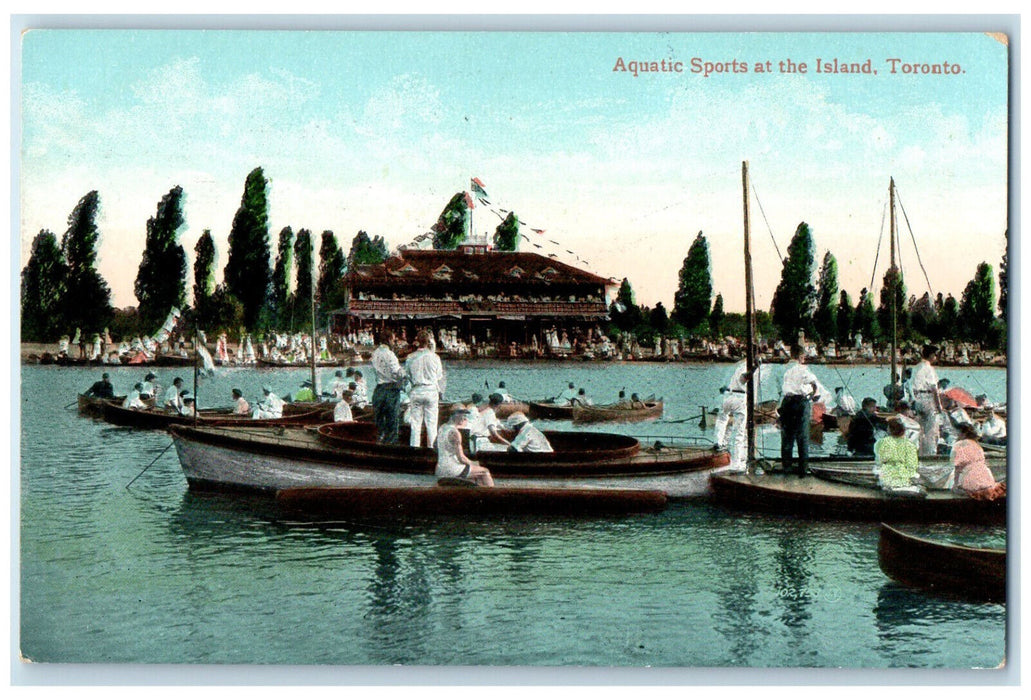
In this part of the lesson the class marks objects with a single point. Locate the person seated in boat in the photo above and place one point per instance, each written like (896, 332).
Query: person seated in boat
(484, 426)
(844, 403)
(133, 400)
(993, 429)
(505, 396)
(451, 459)
(339, 384)
(567, 396)
(151, 388)
(907, 415)
(342, 412)
(582, 399)
(240, 405)
(306, 393)
(861, 429)
(271, 406)
(173, 401)
(973, 477)
(189, 405)
(101, 389)
(636, 402)
(358, 399)
(955, 416)
(897, 462)
(528, 438)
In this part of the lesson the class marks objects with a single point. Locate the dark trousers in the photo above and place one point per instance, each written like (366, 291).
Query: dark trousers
(795, 413)
(386, 405)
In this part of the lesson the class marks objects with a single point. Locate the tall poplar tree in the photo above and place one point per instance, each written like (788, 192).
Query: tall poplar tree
(248, 272)
(977, 306)
(281, 279)
(87, 298)
(506, 236)
(625, 313)
(693, 298)
(716, 317)
(893, 283)
(843, 322)
(332, 266)
(302, 298)
(864, 321)
(1004, 281)
(922, 316)
(42, 290)
(825, 320)
(204, 279)
(795, 299)
(161, 280)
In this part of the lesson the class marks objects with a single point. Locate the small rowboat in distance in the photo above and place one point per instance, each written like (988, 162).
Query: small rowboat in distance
(818, 499)
(92, 406)
(460, 499)
(943, 568)
(618, 412)
(549, 410)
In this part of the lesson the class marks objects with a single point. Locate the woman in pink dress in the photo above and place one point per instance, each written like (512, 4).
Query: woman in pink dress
(973, 477)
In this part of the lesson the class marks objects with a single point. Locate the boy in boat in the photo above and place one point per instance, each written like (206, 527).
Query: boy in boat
(173, 397)
(528, 438)
(240, 405)
(133, 400)
(451, 459)
(102, 389)
(151, 388)
(799, 388)
(484, 426)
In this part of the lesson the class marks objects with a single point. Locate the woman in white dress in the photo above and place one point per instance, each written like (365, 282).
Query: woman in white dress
(451, 459)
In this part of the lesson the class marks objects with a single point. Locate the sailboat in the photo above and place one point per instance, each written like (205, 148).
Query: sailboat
(814, 497)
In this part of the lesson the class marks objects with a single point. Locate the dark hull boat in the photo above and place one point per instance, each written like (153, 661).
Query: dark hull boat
(548, 410)
(814, 498)
(448, 499)
(943, 568)
(347, 455)
(157, 419)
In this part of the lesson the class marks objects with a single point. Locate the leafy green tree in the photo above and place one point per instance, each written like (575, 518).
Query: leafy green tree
(658, 318)
(367, 251)
(203, 279)
(332, 266)
(42, 290)
(843, 322)
(693, 297)
(795, 298)
(864, 321)
(893, 283)
(825, 321)
(281, 278)
(506, 236)
(161, 280)
(922, 316)
(302, 298)
(87, 298)
(450, 229)
(248, 272)
(625, 313)
(977, 307)
(948, 319)
(1004, 281)
(716, 317)
(226, 311)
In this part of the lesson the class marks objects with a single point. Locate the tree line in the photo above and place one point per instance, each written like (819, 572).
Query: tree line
(61, 289)
(811, 302)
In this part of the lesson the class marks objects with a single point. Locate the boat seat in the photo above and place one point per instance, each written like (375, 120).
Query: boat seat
(457, 481)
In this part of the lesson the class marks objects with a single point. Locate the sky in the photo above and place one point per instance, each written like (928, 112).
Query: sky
(376, 131)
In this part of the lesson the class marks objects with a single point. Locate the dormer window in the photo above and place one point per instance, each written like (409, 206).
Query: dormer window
(547, 273)
(516, 272)
(408, 269)
(442, 273)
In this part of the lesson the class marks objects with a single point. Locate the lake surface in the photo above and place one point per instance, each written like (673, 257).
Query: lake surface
(157, 574)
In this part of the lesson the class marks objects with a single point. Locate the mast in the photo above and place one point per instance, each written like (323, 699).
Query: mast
(196, 358)
(894, 286)
(749, 320)
(311, 298)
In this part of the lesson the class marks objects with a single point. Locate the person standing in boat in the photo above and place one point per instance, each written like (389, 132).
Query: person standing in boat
(735, 405)
(426, 375)
(173, 400)
(240, 405)
(386, 397)
(799, 387)
(133, 400)
(928, 401)
(451, 459)
(271, 406)
(528, 438)
(102, 389)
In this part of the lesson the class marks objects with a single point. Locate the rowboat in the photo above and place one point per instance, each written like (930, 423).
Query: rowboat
(502, 410)
(455, 499)
(549, 410)
(347, 455)
(159, 419)
(618, 412)
(93, 406)
(813, 498)
(943, 568)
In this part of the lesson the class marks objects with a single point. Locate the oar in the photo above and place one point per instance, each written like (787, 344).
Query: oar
(149, 465)
(71, 404)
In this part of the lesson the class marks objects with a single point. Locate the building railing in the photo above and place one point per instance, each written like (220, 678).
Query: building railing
(500, 308)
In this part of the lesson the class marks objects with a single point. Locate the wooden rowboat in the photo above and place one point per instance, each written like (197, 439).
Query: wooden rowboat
(618, 412)
(861, 473)
(502, 411)
(814, 498)
(159, 419)
(347, 455)
(549, 410)
(943, 568)
(93, 406)
(395, 503)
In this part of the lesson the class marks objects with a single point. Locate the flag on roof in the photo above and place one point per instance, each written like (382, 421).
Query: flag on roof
(469, 201)
(478, 189)
(538, 230)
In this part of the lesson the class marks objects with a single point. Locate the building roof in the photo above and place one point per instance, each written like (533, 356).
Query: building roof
(469, 265)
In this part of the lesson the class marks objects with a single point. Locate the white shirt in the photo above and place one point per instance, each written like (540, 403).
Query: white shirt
(133, 401)
(386, 366)
(424, 370)
(342, 413)
(847, 404)
(993, 427)
(242, 407)
(566, 396)
(799, 380)
(739, 381)
(172, 399)
(925, 381)
(481, 423)
(530, 439)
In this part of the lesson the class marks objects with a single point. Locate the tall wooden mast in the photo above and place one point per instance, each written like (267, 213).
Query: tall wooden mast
(749, 319)
(893, 276)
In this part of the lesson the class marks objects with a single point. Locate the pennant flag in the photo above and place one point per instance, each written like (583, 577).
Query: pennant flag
(538, 231)
(469, 201)
(205, 356)
(478, 189)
